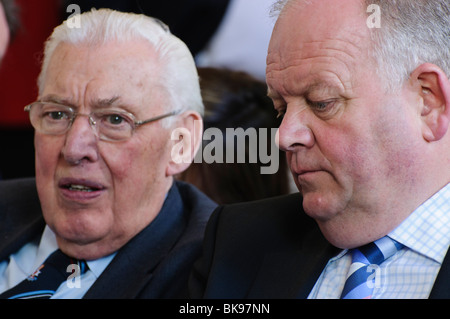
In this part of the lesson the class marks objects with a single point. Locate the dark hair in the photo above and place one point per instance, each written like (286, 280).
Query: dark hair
(234, 99)
(12, 16)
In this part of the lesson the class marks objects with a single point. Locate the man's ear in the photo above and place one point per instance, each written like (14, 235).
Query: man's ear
(186, 140)
(435, 93)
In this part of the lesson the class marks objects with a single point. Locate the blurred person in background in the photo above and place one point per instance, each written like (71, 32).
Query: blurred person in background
(9, 24)
(32, 22)
(235, 99)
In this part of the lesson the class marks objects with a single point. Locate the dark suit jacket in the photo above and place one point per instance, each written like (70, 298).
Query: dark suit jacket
(269, 249)
(154, 264)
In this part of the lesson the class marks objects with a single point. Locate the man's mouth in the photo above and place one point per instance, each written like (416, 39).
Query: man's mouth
(80, 185)
(81, 188)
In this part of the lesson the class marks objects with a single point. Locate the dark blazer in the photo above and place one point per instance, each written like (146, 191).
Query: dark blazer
(154, 264)
(269, 249)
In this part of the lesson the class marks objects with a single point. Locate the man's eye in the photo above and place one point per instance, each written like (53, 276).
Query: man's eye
(320, 105)
(56, 115)
(326, 109)
(114, 119)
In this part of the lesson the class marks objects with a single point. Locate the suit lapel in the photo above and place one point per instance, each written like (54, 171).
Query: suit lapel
(293, 274)
(441, 287)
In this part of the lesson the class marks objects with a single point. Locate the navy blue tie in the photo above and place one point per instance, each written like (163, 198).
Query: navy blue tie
(361, 278)
(44, 282)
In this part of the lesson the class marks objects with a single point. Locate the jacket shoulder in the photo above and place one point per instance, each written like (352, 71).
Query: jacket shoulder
(275, 218)
(238, 238)
(170, 276)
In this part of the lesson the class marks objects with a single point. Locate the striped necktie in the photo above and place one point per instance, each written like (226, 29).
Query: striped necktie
(361, 278)
(44, 282)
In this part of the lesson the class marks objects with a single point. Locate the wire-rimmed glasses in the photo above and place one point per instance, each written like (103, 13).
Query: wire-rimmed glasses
(109, 124)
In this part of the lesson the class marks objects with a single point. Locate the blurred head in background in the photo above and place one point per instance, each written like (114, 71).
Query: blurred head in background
(9, 23)
(234, 99)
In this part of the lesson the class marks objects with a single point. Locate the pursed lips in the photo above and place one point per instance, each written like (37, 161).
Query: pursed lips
(304, 171)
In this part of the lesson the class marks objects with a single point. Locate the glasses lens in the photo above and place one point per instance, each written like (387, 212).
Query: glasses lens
(114, 125)
(110, 125)
(50, 118)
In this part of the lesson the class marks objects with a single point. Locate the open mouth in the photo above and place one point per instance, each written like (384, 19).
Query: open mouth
(80, 185)
(81, 188)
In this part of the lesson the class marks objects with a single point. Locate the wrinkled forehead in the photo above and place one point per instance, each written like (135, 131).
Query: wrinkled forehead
(82, 73)
(318, 28)
(122, 60)
(321, 20)
(313, 46)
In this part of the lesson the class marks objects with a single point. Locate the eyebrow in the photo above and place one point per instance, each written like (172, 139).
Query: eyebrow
(101, 103)
(56, 99)
(323, 85)
(107, 102)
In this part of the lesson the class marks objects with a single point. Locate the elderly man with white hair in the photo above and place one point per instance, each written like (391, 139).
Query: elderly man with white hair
(104, 212)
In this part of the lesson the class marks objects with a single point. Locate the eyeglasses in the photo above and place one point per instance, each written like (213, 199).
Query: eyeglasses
(109, 124)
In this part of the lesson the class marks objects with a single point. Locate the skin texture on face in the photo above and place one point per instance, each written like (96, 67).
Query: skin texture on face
(128, 179)
(354, 150)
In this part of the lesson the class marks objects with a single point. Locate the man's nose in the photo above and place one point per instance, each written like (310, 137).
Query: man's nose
(294, 131)
(81, 141)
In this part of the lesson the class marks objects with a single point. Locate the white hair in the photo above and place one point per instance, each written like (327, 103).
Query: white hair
(412, 32)
(179, 74)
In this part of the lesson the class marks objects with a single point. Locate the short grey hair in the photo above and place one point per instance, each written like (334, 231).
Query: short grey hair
(179, 73)
(412, 32)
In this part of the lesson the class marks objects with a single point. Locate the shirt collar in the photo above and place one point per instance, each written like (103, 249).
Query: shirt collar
(97, 266)
(427, 229)
(48, 245)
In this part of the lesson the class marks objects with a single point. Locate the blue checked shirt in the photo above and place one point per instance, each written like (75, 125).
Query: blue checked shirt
(409, 274)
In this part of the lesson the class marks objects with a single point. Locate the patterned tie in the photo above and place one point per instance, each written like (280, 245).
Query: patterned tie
(365, 260)
(43, 283)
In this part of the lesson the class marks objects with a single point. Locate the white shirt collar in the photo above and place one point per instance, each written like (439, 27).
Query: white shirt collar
(427, 229)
